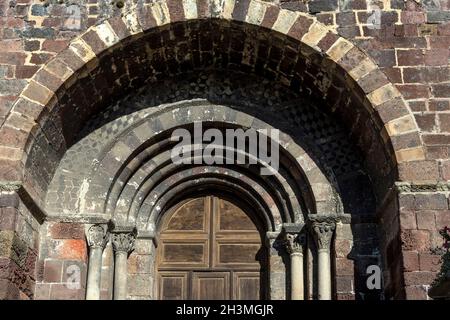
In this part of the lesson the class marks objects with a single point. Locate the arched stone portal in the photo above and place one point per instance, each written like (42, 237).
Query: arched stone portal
(103, 110)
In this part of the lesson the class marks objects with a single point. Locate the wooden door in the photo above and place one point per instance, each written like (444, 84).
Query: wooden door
(209, 248)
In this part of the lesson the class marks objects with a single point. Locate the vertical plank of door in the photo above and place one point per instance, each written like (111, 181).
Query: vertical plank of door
(211, 285)
(246, 286)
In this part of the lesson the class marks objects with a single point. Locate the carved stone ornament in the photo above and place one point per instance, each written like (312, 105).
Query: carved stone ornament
(294, 243)
(123, 241)
(97, 236)
(323, 233)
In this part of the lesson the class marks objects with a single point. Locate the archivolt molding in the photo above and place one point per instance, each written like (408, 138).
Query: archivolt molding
(142, 169)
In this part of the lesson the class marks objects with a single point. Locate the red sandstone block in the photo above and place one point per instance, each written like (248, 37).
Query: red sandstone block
(414, 91)
(419, 170)
(342, 247)
(444, 29)
(145, 18)
(344, 284)
(344, 267)
(42, 291)
(405, 202)
(119, 27)
(54, 45)
(410, 57)
(430, 201)
(412, 17)
(14, 58)
(439, 105)
(416, 293)
(48, 80)
(436, 57)
(62, 230)
(425, 220)
(25, 72)
(429, 262)
(8, 217)
(70, 249)
(442, 42)
(437, 152)
(408, 220)
(31, 109)
(426, 122)
(11, 45)
(442, 218)
(345, 296)
(417, 105)
(391, 109)
(436, 139)
(53, 270)
(52, 22)
(62, 292)
(419, 278)
(410, 261)
(270, 16)
(176, 10)
(300, 27)
(10, 170)
(40, 58)
(393, 74)
(441, 90)
(8, 291)
(444, 120)
(415, 240)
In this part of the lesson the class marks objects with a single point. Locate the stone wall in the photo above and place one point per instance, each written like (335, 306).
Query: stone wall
(19, 247)
(408, 40)
(62, 265)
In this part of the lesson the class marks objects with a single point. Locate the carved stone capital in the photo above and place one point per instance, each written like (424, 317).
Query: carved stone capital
(97, 235)
(323, 233)
(123, 241)
(294, 243)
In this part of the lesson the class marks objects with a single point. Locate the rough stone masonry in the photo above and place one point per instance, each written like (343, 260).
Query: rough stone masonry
(90, 88)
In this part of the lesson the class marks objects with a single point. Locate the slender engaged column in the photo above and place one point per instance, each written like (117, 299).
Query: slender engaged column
(123, 243)
(323, 232)
(97, 236)
(294, 245)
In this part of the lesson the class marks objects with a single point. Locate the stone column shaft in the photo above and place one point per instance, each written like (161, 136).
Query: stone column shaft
(97, 237)
(123, 243)
(120, 275)
(324, 267)
(297, 289)
(295, 249)
(323, 232)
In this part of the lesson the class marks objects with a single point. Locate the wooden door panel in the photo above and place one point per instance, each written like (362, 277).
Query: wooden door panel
(192, 216)
(231, 218)
(194, 254)
(211, 285)
(209, 248)
(246, 286)
(173, 285)
(237, 255)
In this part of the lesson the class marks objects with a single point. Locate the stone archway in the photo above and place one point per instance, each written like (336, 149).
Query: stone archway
(105, 63)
